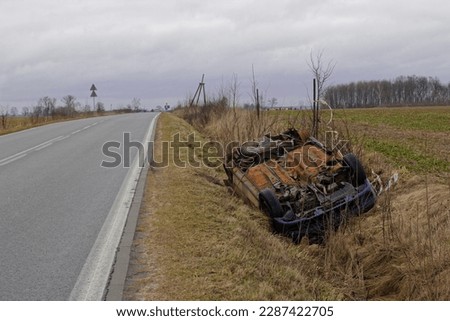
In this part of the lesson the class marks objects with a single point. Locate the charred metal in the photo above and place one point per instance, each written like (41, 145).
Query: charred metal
(305, 187)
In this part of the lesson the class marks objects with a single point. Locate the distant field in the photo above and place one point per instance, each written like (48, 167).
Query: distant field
(417, 138)
(435, 119)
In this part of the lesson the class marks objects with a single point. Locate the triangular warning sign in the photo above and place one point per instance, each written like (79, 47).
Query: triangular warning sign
(93, 94)
(93, 87)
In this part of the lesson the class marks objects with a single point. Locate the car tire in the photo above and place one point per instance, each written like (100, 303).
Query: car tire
(358, 175)
(269, 203)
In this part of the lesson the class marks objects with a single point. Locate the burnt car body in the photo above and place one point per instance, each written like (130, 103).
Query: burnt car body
(303, 186)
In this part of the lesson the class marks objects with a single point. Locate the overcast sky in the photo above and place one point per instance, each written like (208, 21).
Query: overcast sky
(157, 51)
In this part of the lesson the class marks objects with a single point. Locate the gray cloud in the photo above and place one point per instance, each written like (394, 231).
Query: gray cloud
(158, 50)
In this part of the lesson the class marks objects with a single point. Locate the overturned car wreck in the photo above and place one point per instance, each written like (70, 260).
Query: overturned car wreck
(306, 188)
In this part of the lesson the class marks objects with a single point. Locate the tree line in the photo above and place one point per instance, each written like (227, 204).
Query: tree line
(48, 109)
(402, 91)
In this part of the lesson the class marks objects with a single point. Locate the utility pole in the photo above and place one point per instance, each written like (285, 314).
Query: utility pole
(198, 92)
(258, 104)
(315, 127)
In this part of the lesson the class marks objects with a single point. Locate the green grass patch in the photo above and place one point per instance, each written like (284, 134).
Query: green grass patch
(403, 156)
(435, 119)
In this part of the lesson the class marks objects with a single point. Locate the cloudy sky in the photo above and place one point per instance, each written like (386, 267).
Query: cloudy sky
(157, 51)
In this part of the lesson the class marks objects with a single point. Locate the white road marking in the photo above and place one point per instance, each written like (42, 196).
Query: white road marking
(43, 146)
(25, 152)
(93, 279)
(40, 146)
(12, 159)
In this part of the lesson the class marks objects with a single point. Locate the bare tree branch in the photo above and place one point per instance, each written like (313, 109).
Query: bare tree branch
(321, 71)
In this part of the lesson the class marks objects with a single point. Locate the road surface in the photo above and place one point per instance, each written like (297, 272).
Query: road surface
(57, 205)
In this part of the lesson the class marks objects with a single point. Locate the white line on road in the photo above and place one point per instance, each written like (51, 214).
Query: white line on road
(93, 279)
(40, 146)
(26, 151)
(85, 127)
(49, 144)
(12, 159)
(44, 146)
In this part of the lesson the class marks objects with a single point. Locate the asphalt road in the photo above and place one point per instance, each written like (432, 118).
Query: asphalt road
(55, 204)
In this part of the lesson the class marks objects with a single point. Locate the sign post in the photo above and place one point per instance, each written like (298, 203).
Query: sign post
(93, 95)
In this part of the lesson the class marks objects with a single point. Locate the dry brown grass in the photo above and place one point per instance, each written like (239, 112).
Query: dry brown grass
(19, 123)
(400, 250)
(195, 241)
(226, 125)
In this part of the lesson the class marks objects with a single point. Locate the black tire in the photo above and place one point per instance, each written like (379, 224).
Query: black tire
(357, 174)
(269, 203)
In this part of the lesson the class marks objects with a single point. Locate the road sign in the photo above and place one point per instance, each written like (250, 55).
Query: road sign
(93, 95)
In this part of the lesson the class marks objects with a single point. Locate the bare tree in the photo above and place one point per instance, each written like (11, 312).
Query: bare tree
(136, 104)
(25, 111)
(48, 106)
(70, 104)
(14, 112)
(4, 112)
(100, 107)
(87, 109)
(257, 98)
(35, 114)
(321, 70)
(222, 92)
(273, 102)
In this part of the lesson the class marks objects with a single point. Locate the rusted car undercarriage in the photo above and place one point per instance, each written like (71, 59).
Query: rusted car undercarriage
(305, 187)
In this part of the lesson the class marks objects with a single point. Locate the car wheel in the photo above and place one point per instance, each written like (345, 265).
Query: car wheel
(358, 175)
(269, 203)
